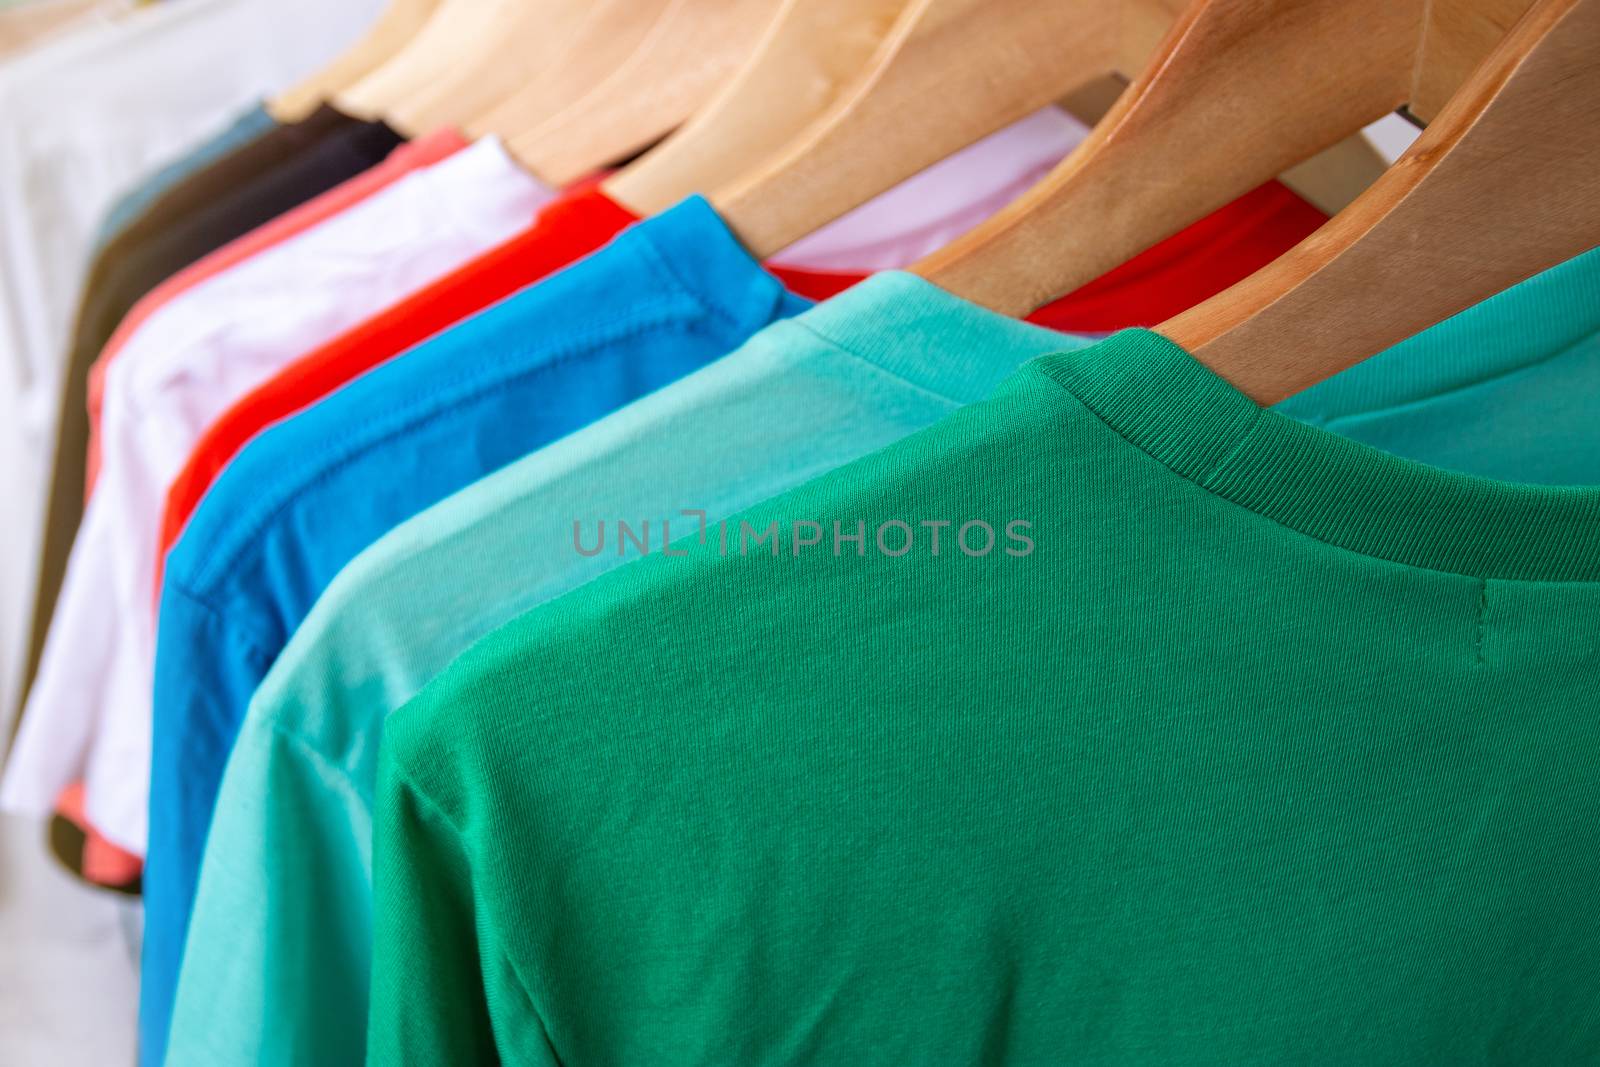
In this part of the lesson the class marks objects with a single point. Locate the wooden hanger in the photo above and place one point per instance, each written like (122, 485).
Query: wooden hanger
(1502, 185)
(950, 73)
(695, 47)
(513, 96)
(1237, 93)
(1459, 35)
(811, 53)
(612, 32)
(500, 40)
(1330, 181)
(399, 24)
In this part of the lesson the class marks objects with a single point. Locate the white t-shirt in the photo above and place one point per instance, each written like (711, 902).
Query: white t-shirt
(82, 118)
(89, 711)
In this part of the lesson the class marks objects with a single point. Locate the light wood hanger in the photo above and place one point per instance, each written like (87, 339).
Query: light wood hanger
(691, 52)
(1502, 185)
(811, 53)
(950, 73)
(612, 33)
(1458, 36)
(1329, 181)
(502, 40)
(1238, 92)
(399, 24)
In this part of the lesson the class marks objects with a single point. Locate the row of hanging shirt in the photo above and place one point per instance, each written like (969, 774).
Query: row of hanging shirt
(559, 616)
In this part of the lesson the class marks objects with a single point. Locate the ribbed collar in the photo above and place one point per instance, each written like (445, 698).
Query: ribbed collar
(1162, 400)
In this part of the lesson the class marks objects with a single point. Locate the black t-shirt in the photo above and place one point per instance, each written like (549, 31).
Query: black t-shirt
(216, 179)
(208, 226)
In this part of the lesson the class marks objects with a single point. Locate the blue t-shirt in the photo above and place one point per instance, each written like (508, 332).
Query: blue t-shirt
(665, 298)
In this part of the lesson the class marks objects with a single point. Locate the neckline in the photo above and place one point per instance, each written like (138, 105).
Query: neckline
(1165, 402)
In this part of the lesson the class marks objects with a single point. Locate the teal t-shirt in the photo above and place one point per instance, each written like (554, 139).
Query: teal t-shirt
(1112, 720)
(293, 852)
(1506, 390)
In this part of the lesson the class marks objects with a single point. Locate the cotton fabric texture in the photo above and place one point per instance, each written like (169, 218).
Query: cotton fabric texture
(1192, 265)
(665, 298)
(216, 689)
(801, 398)
(77, 453)
(276, 146)
(404, 160)
(279, 146)
(1253, 739)
(203, 228)
(1504, 391)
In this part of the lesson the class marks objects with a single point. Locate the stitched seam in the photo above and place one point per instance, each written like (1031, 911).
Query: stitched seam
(425, 412)
(229, 625)
(1220, 466)
(308, 751)
(665, 269)
(1483, 611)
(427, 801)
(665, 272)
(875, 365)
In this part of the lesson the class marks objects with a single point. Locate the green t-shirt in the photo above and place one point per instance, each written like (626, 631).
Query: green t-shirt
(288, 862)
(1111, 720)
(288, 859)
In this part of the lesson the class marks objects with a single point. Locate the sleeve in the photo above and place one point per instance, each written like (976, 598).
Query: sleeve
(429, 1005)
(206, 671)
(280, 944)
(63, 710)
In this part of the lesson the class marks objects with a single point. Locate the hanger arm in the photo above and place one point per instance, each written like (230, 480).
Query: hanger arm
(1500, 186)
(694, 49)
(1457, 37)
(949, 74)
(401, 21)
(808, 58)
(612, 33)
(519, 86)
(465, 40)
(1240, 91)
